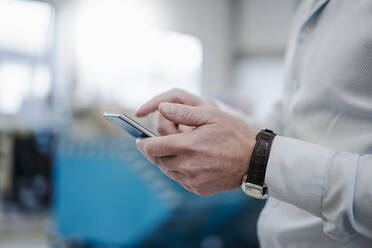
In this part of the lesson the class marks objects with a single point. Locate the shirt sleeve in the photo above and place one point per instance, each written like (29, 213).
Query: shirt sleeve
(335, 186)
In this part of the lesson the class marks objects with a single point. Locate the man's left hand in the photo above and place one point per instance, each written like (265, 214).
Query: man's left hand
(210, 158)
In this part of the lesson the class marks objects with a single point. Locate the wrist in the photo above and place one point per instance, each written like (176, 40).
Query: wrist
(247, 145)
(253, 181)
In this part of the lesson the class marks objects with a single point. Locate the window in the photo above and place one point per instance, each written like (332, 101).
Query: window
(26, 48)
(121, 59)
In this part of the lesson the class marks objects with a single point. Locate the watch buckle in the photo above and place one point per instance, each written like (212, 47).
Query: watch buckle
(254, 190)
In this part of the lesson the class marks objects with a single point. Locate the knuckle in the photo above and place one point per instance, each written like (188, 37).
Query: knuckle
(176, 95)
(175, 91)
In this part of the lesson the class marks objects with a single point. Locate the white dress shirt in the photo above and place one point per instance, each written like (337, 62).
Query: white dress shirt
(319, 172)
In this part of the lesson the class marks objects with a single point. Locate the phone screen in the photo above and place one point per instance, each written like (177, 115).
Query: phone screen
(129, 125)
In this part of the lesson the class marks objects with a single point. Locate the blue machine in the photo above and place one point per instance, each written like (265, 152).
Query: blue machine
(106, 194)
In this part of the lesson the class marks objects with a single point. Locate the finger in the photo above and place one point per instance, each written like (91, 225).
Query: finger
(164, 170)
(177, 176)
(183, 128)
(169, 162)
(161, 146)
(187, 115)
(174, 96)
(141, 147)
(186, 187)
(164, 126)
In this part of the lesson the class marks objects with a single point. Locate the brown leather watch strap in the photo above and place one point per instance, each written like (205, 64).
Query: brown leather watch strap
(260, 156)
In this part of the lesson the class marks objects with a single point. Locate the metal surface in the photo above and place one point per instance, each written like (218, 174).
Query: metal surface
(254, 190)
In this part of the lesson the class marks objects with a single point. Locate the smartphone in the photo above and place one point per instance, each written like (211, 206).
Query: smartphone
(129, 125)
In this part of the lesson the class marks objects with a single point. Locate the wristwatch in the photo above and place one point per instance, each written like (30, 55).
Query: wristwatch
(253, 183)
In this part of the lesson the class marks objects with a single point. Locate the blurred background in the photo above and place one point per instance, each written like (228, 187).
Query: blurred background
(69, 179)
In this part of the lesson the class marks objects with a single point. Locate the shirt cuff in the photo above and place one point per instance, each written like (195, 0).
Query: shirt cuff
(297, 172)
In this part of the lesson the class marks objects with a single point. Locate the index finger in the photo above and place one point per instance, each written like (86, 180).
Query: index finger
(173, 96)
(161, 146)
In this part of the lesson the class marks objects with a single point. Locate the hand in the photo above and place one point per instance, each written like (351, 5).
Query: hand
(164, 126)
(210, 158)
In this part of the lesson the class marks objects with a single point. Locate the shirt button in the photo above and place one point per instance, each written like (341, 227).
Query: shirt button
(310, 26)
(296, 84)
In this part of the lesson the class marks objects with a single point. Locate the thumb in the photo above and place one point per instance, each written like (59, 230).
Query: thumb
(185, 114)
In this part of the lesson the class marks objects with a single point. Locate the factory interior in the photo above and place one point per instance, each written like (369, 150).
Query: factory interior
(69, 179)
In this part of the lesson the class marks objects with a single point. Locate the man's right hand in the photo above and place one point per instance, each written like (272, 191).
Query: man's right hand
(164, 126)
